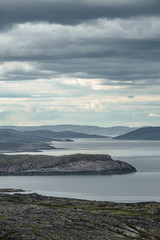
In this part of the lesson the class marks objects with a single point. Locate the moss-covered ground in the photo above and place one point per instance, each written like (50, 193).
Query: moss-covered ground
(32, 216)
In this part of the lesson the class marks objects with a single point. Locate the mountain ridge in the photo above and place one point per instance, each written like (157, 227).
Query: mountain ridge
(93, 130)
(12, 140)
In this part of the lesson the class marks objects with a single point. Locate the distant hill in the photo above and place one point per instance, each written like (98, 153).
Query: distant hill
(12, 140)
(146, 133)
(91, 130)
(39, 135)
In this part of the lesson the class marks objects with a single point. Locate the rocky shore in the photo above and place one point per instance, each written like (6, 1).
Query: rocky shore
(56, 165)
(11, 190)
(32, 216)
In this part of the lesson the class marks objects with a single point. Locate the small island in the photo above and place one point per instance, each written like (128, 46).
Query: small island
(60, 165)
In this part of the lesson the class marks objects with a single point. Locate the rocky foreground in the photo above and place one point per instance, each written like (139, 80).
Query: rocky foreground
(32, 216)
(69, 164)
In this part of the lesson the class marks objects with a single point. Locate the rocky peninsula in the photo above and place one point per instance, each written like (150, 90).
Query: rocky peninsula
(57, 165)
(32, 216)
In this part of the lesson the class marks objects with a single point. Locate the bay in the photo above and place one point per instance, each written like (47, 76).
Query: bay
(136, 187)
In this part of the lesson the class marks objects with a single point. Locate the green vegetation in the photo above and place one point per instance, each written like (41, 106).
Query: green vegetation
(32, 216)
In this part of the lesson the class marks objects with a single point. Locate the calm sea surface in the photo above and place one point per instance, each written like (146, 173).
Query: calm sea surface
(144, 185)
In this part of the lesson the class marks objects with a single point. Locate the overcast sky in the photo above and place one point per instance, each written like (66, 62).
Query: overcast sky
(88, 62)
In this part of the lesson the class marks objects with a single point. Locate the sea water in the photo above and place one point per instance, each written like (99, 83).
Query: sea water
(144, 185)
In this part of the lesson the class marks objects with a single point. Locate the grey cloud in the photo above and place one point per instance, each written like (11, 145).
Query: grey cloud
(119, 54)
(15, 95)
(19, 76)
(146, 50)
(71, 12)
(113, 59)
(131, 96)
(113, 45)
(125, 60)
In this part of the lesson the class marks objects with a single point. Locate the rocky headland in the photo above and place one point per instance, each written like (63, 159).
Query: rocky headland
(67, 164)
(32, 216)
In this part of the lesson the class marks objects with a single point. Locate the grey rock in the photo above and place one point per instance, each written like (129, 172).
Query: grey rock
(69, 164)
(32, 216)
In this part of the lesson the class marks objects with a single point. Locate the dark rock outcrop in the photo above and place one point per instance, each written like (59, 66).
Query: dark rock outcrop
(69, 164)
(10, 190)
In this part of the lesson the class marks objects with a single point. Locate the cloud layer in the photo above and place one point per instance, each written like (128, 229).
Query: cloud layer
(72, 12)
(69, 60)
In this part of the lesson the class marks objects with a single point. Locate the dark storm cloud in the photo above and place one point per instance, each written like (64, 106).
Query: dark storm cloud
(133, 49)
(72, 12)
(122, 59)
(18, 75)
(115, 40)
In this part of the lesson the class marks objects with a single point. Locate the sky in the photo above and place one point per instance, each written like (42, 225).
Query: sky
(87, 62)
